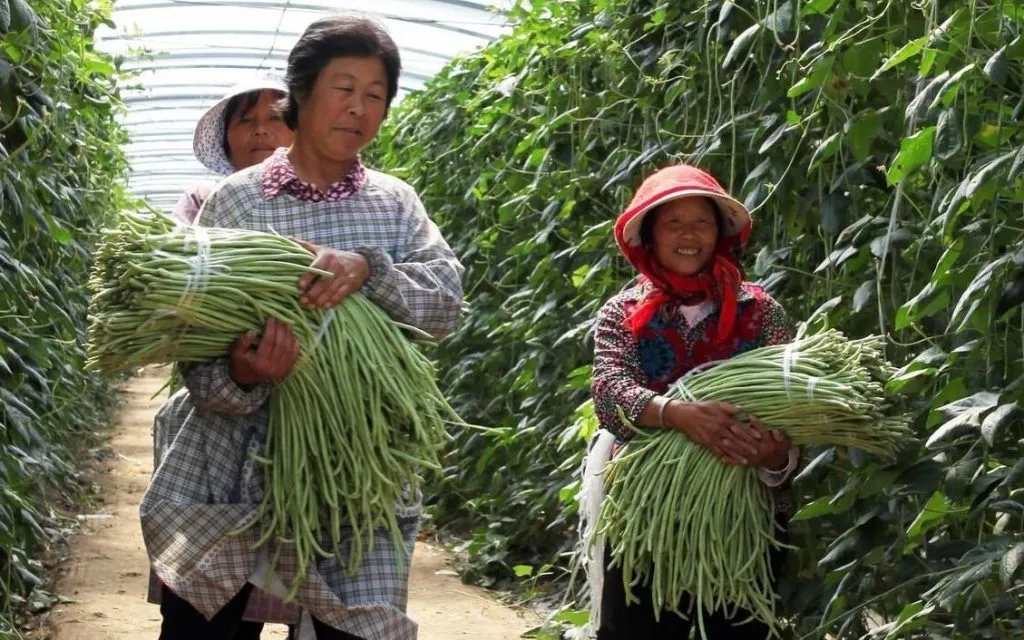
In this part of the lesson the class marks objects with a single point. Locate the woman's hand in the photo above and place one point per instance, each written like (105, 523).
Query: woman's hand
(714, 426)
(324, 292)
(706, 423)
(755, 446)
(271, 359)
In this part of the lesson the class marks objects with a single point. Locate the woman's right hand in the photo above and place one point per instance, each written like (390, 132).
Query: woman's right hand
(272, 358)
(709, 424)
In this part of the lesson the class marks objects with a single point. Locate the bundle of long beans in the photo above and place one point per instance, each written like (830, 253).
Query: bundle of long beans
(679, 519)
(352, 425)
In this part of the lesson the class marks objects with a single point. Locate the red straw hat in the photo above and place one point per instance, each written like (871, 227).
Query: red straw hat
(672, 183)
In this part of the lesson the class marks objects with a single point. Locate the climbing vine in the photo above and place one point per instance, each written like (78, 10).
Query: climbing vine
(61, 170)
(881, 148)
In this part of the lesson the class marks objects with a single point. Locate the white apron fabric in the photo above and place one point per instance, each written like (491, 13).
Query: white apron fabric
(590, 497)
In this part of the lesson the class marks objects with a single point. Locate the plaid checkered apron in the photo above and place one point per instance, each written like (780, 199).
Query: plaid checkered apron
(206, 483)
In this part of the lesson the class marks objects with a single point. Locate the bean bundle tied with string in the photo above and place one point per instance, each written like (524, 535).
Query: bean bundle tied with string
(679, 519)
(351, 427)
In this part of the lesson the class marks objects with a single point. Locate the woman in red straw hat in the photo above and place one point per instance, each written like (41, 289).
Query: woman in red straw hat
(682, 232)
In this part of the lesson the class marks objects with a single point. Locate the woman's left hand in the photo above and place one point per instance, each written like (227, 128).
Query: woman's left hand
(755, 446)
(322, 292)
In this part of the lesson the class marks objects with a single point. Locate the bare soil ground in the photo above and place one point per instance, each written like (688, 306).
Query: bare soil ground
(106, 576)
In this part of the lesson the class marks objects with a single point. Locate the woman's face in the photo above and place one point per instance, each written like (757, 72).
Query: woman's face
(346, 107)
(685, 234)
(254, 134)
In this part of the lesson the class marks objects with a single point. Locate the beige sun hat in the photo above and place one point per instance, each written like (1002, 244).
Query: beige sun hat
(208, 140)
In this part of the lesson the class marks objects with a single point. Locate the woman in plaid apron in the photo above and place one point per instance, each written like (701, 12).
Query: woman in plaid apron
(371, 232)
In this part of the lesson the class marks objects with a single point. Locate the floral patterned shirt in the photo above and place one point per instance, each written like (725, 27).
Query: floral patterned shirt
(278, 176)
(629, 371)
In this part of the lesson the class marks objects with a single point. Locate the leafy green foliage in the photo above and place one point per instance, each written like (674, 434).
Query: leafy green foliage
(881, 149)
(60, 172)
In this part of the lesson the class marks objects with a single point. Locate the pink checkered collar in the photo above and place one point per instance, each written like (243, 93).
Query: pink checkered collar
(278, 176)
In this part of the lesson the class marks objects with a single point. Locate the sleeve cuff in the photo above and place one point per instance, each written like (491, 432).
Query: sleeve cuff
(778, 478)
(380, 264)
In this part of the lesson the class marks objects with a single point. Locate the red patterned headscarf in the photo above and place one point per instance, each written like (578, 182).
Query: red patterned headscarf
(721, 278)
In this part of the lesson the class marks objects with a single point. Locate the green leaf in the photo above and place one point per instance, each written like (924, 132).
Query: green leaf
(921, 104)
(951, 84)
(978, 286)
(994, 136)
(933, 513)
(909, 619)
(740, 45)
(973, 189)
(954, 389)
(1018, 164)
(774, 138)
(998, 66)
(865, 292)
(837, 258)
(781, 20)
(575, 618)
(966, 416)
(890, 242)
(5, 16)
(982, 400)
(94, 64)
(1010, 563)
(833, 212)
(914, 152)
(860, 59)
(22, 15)
(861, 133)
(898, 383)
(60, 234)
(942, 272)
(906, 52)
(817, 7)
(567, 494)
(522, 570)
(955, 588)
(1011, 296)
(579, 276)
(949, 135)
(995, 420)
(825, 150)
(817, 77)
(823, 506)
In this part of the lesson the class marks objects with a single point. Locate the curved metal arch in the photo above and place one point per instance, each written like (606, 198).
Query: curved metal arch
(318, 8)
(251, 32)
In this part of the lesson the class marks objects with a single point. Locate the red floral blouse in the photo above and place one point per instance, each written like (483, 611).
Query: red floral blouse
(631, 370)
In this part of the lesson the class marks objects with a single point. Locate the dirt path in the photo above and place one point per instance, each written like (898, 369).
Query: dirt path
(106, 577)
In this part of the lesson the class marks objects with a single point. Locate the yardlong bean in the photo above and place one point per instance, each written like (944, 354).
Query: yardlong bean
(359, 417)
(679, 519)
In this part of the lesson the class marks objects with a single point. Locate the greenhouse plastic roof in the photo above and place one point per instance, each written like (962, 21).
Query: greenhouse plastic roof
(195, 50)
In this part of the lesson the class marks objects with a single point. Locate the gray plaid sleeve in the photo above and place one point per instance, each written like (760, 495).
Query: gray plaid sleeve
(212, 389)
(423, 287)
(210, 383)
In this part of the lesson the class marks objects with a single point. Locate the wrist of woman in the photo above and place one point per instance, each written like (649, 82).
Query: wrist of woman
(778, 466)
(675, 418)
(243, 379)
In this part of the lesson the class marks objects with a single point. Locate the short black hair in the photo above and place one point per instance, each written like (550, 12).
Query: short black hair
(336, 37)
(647, 224)
(240, 105)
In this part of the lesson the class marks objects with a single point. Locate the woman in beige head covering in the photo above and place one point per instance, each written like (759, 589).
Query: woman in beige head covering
(243, 129)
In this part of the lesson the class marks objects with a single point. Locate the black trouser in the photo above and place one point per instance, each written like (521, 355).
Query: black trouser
(183, 622)
(636, 621)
